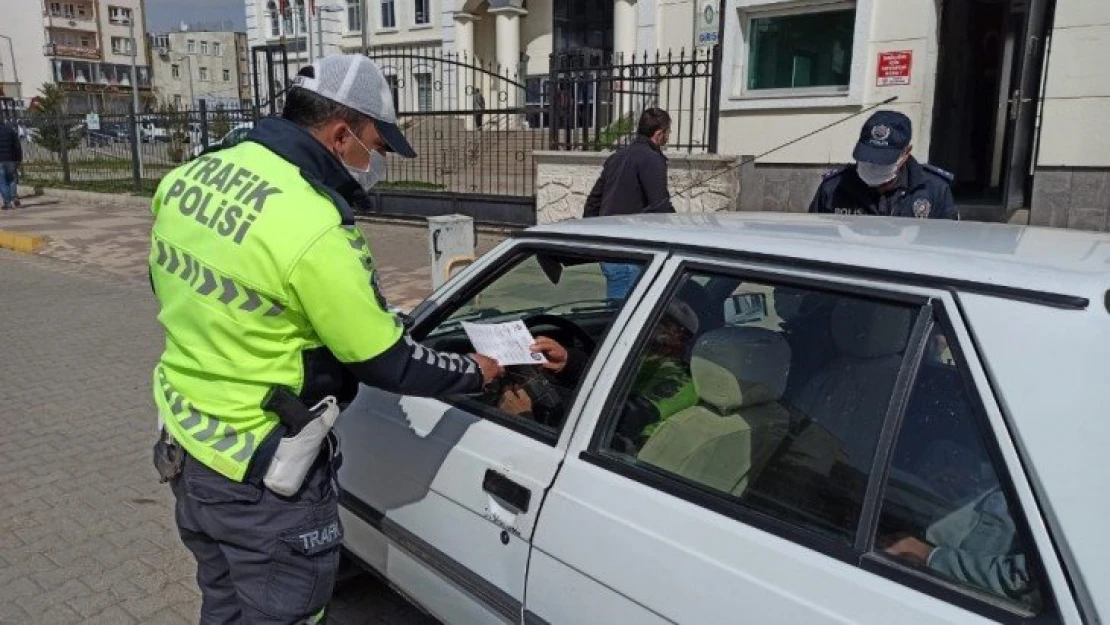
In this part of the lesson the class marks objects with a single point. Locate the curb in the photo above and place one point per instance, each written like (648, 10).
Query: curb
(92, 196)
(25, 242)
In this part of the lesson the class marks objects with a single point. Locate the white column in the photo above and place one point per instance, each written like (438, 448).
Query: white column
(464, 78)
(625, 23)
(508, 58)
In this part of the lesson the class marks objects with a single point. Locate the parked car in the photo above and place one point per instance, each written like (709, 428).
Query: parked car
(235, 135)
(150, 132)
(790, 419)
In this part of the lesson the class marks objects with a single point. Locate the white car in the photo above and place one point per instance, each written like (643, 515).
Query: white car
(789, 419)
(233, 136)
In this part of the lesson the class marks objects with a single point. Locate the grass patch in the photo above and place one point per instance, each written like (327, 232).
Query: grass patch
(119, 185)
(409, 185)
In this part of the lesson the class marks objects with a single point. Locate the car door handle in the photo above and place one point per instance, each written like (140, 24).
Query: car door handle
(516, 496)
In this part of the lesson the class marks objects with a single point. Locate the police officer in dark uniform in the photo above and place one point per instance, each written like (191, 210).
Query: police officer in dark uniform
(886, 180)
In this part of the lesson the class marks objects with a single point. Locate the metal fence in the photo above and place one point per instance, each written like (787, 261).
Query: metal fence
(120, 153)
(596, 99)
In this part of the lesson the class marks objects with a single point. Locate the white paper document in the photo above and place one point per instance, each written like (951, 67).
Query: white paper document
(507, 343)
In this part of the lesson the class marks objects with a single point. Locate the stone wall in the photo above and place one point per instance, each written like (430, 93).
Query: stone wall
(1071, 198)
(564, 179)
(779, 188)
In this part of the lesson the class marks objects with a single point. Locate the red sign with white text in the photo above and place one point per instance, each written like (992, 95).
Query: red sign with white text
(894, 68)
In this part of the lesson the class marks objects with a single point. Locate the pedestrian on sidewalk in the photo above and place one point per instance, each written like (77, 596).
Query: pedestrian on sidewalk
(633, 181)
(11, 159)
(272, 316)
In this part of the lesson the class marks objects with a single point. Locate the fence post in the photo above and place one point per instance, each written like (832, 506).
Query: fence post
(63, 140)
(133, 124)
(204, 123)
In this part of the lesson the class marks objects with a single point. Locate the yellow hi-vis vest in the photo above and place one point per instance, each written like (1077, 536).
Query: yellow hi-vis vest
(252, 266)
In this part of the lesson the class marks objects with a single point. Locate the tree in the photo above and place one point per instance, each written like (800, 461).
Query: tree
(220, 124)
(51, 129)
(177, 130)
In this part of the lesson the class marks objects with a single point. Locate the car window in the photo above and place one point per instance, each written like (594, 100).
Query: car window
(562, 298)
(774, 403)
(945, 510)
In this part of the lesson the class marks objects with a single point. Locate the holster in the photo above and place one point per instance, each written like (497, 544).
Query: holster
(169, 457)
(295, 454)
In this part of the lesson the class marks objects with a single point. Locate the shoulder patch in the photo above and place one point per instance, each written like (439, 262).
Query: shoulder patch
(943, 173)
(833, 173)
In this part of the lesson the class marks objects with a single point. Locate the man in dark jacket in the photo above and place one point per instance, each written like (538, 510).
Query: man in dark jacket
(886, 180)
(633, 180)
(11, 158)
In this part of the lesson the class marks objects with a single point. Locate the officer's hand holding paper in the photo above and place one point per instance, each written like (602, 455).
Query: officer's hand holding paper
(507, 343)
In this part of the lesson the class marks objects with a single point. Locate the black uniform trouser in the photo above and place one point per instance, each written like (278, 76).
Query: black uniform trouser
(261, 557)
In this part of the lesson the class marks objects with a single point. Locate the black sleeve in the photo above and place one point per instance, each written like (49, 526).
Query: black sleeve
(652, 173)
(593, 200)
(818, 203)
(410, 368)
(18, 147)
(948, 202)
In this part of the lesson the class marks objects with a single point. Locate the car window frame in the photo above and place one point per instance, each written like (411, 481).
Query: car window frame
(931, 311)
(964, 596)
(701, 495)
(434, 311)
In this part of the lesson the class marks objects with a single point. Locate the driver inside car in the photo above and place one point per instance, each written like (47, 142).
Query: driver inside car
(662, 387)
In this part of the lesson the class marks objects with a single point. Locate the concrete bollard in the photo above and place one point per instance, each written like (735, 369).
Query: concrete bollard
(450, 245)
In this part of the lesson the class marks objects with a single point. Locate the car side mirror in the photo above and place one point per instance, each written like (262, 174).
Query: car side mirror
(745, 308)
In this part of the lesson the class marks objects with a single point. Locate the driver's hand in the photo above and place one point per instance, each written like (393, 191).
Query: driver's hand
(515, 401)
(911, 549)
(491, 369)
(555, 353)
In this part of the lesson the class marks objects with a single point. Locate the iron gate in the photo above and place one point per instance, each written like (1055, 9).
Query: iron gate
(474, 128)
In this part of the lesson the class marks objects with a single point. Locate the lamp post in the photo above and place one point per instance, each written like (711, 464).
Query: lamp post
(15, 68)
(135, 89)
(320, 10)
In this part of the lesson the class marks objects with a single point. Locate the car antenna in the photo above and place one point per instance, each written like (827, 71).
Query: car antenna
(752, 159)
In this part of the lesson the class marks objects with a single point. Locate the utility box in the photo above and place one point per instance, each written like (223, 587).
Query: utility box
(450, 244)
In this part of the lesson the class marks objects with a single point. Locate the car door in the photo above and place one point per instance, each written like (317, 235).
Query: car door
(455, 484)
(825, 443)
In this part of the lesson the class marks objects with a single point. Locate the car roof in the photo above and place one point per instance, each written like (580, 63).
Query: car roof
(1052, 261)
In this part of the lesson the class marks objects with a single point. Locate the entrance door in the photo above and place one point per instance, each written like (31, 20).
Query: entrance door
(987, 81)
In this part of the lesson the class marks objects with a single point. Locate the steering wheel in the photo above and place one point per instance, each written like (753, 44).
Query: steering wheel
(584, 339)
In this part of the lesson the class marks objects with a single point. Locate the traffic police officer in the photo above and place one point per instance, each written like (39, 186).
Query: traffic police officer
(266, 284)
(886, 179)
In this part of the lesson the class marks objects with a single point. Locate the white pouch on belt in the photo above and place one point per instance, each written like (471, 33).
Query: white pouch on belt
(295, 454)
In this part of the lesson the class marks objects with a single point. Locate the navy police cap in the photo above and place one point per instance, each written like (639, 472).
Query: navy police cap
(883, 138)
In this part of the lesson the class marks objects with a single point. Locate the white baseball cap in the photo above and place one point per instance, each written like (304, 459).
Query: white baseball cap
(357, 83)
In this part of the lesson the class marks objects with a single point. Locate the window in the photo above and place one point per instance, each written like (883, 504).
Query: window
(529, 398)
(395, 89)
(119, 15)
(389, 17)
(227, 75)
(354, 16)
(203, 73)
(175, 71)
(161, 42)
(82, 12)
(216, 48)
(177, 102)
(763, 398)
(191, 46)
(68, 12)
(423, 91)
(946, 511)
(422, 13)
(56, 9)
(275, 19)
(84, 41)
(204, 47)
(121, 45)
(801, 50)
(299, 9)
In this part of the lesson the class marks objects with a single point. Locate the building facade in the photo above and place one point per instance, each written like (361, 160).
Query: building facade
(190, 66)
(83, 46)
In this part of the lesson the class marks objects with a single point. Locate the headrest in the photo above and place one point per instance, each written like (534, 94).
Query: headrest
(867, 329)
(734, 367)
(683, 314)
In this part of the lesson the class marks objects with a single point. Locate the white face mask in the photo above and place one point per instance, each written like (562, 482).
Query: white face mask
(874, 175)
(373, 173)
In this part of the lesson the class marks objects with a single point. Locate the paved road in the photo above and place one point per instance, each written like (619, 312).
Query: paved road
(86, 531)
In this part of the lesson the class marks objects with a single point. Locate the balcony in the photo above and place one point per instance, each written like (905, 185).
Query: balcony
(71, 51)
(85, 21)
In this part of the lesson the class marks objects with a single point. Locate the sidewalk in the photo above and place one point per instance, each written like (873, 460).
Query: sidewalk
(111, 236)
